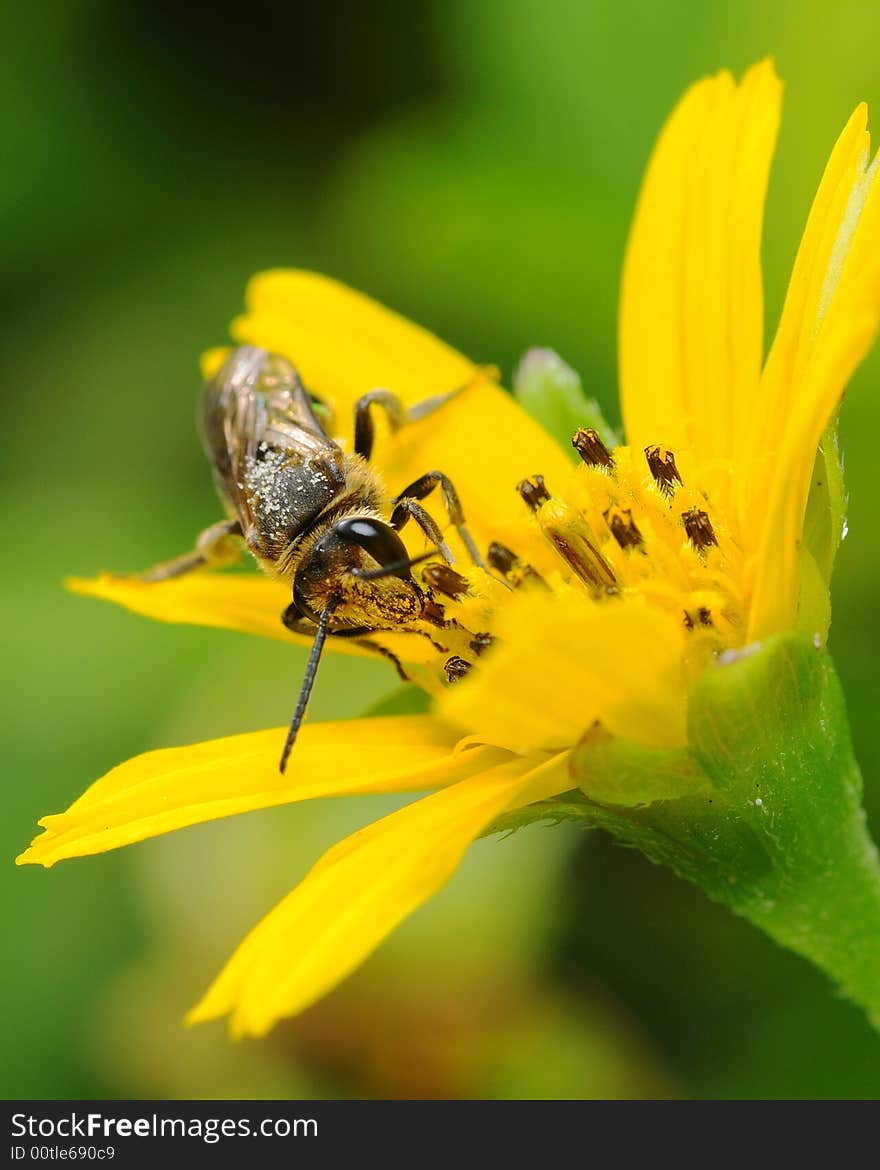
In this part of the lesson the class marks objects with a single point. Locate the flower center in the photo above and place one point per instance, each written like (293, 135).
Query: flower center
(624, 523)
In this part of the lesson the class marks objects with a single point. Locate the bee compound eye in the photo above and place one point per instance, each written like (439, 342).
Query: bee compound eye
(378, 539)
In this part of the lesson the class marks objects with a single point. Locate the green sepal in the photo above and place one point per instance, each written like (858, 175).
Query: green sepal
(550, 391)
(824, 529)
(620, 772)
(825, 518)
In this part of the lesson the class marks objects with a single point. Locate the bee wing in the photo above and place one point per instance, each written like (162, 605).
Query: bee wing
(293, 403)
(274, 464)
(233, 417)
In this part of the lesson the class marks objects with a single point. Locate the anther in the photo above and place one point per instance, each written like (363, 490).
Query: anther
(661, 464)
(480, 643)
(533, 492)
(445, 580)
(505, 561)
(586, 560)
(501, 558)
(623, 528)
(699, 529)
(572, 538)
(701, 617)
(433, 612)
(591, 449)
(456, 668)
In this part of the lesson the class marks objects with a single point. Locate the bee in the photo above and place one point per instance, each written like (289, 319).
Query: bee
(312, 514)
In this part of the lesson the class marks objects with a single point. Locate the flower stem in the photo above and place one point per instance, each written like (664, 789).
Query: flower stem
(770, 729)
(833, 917)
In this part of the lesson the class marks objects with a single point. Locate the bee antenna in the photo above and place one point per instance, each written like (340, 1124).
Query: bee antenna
(394, 567)
(308, 680)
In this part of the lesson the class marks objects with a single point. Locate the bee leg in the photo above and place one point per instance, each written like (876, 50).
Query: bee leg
(396, 413)
(213, 547)
(364, 431)
(406, 509)
(423, 487)
(368, 644)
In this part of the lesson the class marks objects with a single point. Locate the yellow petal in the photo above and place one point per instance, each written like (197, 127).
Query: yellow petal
(559, 664)
(360, 890)
(164, 790)
(246, 602)
(829, 322)
(798, 325)
(345, 344)
(691, 304)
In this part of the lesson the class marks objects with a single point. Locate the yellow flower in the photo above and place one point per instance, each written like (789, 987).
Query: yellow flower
(626, 575)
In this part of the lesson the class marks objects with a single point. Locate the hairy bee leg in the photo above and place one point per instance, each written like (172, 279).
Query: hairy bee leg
(364, 431)
(398, 414)
(405, 509)
(212, 548)
(293, 621)
(423, 487)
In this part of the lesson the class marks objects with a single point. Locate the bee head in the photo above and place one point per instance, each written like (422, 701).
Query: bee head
(363, 563)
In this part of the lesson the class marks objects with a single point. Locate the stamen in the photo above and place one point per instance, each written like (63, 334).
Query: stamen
(456, 668)
(624, 528)
(501, 558)
(661, 464)
(572, 538)
(433, 612)
(505, 561)
(701, 617)
(481, 643)
(533, 492)
(586, 560)
(445, 580)
(699, 528)
(591, 449)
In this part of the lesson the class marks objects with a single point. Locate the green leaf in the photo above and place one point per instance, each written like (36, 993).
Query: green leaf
(550, 391)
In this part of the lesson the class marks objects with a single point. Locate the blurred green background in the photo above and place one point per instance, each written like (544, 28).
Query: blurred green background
(475, 164)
